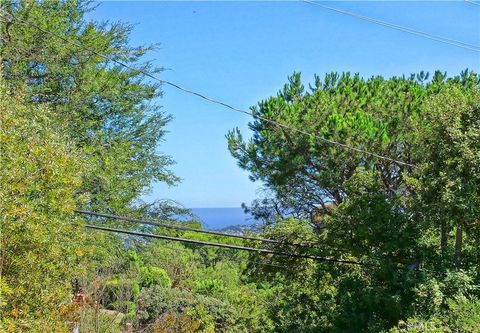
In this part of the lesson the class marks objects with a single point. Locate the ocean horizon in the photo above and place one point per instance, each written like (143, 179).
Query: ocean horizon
(222, 217)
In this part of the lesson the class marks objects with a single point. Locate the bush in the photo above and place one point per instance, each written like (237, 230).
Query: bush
(157, 302)
(154, 276)
(462, 315)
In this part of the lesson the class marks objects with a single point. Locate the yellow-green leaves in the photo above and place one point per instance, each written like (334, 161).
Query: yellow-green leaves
(40, 175)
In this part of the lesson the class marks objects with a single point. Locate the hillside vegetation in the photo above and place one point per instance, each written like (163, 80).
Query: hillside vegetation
(400, 213)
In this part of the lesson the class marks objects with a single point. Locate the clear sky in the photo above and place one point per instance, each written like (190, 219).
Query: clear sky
(242, 52)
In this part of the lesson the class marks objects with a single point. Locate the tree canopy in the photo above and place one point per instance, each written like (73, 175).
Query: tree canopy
(410, 222)
(110, 112)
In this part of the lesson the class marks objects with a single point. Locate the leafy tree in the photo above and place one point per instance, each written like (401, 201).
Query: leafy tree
(107, 117)
(448, 178)
(40, 173)
(394, 217)
(109, 111)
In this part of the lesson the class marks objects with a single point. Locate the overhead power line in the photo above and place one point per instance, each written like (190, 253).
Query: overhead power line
(228, 246)
(473, 2)
(236, 260)
(212, 100)
(183, 228)
(457, 43)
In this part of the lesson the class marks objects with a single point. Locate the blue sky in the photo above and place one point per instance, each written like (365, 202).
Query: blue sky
(242, 52)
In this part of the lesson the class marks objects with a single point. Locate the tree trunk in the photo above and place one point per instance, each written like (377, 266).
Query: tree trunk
(458, 245)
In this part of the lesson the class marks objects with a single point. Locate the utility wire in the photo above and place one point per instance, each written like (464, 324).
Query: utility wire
(228, 246)
(177, 227)
(212, 100)
(255, 262)
(460, 44)
(473, 2)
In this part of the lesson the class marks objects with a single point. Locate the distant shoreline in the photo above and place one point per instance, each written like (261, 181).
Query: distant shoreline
(216, 218)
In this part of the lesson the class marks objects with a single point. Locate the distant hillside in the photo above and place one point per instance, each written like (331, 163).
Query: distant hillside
(243, 229)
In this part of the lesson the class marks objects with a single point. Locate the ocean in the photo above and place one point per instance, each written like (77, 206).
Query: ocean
(219, 218)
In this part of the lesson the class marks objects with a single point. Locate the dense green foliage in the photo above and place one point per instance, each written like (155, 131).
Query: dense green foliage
(108, 111)
(413, 224)
(79, 131)
(40, 174)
